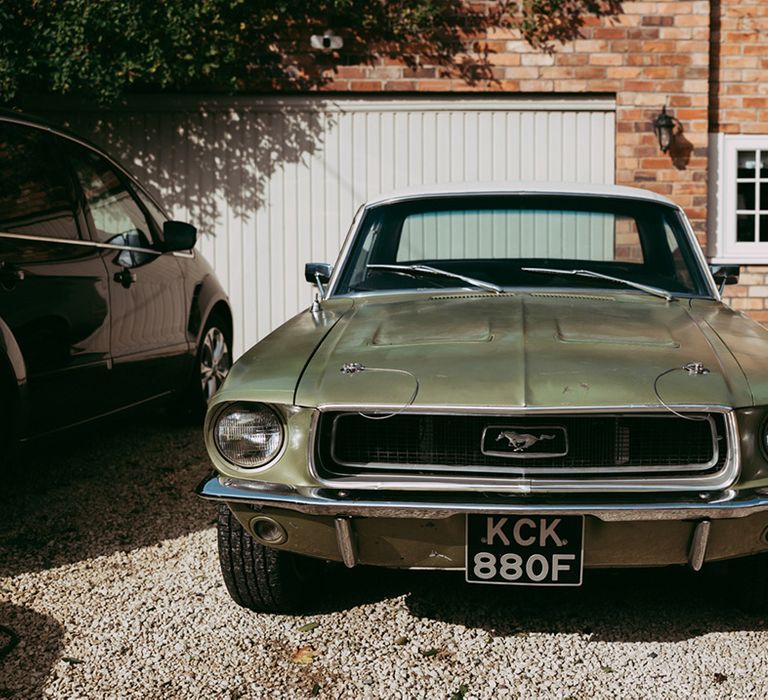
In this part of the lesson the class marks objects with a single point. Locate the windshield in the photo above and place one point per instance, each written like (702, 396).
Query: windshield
(493, 238)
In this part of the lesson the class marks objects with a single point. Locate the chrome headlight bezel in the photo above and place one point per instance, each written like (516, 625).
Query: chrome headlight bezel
(762, 437)
(268, 414)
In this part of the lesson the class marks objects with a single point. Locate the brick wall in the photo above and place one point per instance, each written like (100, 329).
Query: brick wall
(739, 80)
(739, 105)
(751, 294)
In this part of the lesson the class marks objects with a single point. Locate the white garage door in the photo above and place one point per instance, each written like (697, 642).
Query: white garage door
(274, 183)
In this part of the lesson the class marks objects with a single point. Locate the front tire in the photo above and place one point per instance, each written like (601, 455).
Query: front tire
(263, 579)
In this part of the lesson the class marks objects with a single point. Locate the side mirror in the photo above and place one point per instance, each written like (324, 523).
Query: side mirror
(318, 274)
(315, 272)
(725, 274)
(178, 235)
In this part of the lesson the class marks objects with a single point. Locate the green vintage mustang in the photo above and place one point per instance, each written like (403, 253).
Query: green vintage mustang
(519, 382)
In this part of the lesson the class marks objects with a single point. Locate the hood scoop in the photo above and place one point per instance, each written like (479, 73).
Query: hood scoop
(615, 332)
(434, 325)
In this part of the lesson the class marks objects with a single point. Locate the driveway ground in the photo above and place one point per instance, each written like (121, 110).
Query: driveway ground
(109, 579)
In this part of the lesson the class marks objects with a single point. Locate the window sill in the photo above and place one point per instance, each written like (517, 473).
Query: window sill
(739, 259)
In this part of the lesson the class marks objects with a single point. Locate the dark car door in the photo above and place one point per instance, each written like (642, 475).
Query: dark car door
(148, 337)
(53, 287)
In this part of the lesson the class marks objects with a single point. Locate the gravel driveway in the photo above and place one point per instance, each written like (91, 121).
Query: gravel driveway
(109, 577)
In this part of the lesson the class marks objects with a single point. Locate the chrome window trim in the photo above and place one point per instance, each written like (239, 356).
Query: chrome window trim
(589, 293)
(94, 244)
(698, 254)
(719, 480)
(513, 468)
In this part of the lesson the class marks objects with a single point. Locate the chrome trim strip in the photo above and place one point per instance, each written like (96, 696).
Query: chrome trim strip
(721, 479)
(313, 501)
(93, 244)
(345, 541)
(452, 409)
(698, 549)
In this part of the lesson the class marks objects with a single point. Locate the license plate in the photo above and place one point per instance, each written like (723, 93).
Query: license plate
(525, 550)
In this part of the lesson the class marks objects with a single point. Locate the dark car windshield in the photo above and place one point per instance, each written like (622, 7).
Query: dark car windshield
(493, 238)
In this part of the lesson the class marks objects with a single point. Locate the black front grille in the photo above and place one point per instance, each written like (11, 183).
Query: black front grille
(597, 445)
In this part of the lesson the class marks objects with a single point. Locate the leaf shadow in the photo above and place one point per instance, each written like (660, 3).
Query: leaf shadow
(200, 156)
(25, 666)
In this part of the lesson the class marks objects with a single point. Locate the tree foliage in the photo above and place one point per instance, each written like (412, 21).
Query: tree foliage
(105, 48)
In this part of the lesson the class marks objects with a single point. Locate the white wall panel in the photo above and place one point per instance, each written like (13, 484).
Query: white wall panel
(272, 183)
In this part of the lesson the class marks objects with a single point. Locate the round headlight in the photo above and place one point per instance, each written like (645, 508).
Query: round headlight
(248, 434)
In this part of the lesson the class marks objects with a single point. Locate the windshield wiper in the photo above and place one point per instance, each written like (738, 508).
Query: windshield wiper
(428, 270)
(599, 275)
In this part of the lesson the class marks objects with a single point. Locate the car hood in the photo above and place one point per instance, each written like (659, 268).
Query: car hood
(523, 350)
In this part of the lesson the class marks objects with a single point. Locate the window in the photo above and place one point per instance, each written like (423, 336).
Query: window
(739, 183)
(511, 233)
(37, 197)
(115, 216)
(154, 212)
(509, 240)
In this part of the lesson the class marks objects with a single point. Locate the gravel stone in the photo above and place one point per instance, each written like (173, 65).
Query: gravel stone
(109, 576)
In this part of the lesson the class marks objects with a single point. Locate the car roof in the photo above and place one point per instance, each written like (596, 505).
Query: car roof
(8, 115)
(519, 188)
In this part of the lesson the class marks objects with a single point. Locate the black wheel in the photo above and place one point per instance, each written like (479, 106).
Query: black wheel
(212, 363)
(263, 579)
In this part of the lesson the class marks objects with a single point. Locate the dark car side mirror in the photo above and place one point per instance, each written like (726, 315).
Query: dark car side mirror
(318, 274)
(725, 274)
(315, 272)
(178, 235)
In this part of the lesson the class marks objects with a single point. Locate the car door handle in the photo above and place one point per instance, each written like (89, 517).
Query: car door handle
(9, 274)
(125, 277)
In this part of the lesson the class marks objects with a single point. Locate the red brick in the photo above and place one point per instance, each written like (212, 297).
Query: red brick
(365, 85)
(352, 71)
(609, 32)
(674, 59)
(606, 59)
(759, 102)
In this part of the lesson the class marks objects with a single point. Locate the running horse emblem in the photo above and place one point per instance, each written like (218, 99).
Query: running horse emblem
(521, 441)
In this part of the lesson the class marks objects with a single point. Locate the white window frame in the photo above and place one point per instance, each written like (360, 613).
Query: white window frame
(722, 244)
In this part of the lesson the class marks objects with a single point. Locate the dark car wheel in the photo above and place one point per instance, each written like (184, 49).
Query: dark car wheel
(213, 362)
(263, 579)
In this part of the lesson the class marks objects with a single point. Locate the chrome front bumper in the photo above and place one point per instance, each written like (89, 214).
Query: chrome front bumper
(724, 504)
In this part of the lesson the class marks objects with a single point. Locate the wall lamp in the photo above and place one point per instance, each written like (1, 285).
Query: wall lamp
(665, 126)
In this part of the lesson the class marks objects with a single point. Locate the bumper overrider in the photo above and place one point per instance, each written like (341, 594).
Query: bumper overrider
(426, 530)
